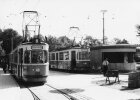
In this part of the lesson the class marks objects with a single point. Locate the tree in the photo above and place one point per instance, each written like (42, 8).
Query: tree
(90, 41)
(106, 39)
(58, 43)
(53, 42)
(138, 30)
(119, 41)
(7, 36)
(65, 42)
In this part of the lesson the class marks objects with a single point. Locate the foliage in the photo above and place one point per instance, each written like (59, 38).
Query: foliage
(64, 42)
(90, 41)
(138, 29)
(58, 43)
(119, 41)
(7, 36)
(53, 42)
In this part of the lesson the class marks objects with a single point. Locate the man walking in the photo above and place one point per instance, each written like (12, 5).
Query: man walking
(105, 66)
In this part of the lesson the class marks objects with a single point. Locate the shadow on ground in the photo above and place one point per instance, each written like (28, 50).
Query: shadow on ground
(124, 88)
(67, 91)
(104, 83)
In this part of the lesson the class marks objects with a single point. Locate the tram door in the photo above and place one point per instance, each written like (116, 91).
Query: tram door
(20, 63)
(73, 59)
(57, 60)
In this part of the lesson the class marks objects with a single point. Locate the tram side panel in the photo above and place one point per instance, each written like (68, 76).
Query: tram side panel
(80, 60)
(64, 65)
(60, 65)
(83, 66)
(70, 60)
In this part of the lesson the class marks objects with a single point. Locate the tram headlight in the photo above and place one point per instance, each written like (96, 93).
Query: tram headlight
(85, 63)
(25, 70)
(37, 70)
(25, 67)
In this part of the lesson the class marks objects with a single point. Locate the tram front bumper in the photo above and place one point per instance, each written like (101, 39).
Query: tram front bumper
(34, 78)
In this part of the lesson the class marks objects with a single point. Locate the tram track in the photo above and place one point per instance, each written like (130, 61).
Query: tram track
(63, 93)
(71, 94)
(22, 85)
(33, 94)
(36, 97)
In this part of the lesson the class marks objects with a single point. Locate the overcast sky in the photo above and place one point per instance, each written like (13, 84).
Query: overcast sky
(57, 16)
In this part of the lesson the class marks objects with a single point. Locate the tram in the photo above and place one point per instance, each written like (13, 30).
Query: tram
(70, 59)
(29, 61)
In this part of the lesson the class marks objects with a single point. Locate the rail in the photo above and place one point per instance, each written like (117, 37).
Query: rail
(71, 95)
(33, 94)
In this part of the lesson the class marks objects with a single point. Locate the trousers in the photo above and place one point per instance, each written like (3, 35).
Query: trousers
(105, 68)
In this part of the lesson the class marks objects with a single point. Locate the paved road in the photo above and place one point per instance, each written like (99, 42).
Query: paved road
(80, 86)
(9, 89)
(84, 85)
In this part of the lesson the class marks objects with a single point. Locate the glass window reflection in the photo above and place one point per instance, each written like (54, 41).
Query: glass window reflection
(37, 57)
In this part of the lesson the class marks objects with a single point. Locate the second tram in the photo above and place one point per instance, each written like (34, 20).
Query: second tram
(72, 59)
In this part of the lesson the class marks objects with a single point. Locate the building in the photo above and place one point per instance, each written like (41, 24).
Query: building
(120, 56)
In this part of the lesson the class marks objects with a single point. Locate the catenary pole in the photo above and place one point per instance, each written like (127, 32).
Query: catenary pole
(103, 11)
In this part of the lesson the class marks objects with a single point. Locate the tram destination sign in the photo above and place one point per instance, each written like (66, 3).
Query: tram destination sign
(37, 47)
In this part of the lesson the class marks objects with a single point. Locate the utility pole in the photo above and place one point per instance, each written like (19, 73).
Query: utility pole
(103, 11)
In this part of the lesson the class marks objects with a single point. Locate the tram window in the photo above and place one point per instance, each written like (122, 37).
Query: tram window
(15, 57)
(66, 55)
(21, 55)
(61, 56)
(27, 57)
(37, 56)
(56, 56)
(83, 55)
(53, 56)
(45, 56)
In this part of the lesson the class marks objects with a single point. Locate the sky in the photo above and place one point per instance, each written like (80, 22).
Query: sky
(58, 16)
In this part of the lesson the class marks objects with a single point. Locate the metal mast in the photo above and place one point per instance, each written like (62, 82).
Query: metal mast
(30, 25)
(74, 33)
(103, 11)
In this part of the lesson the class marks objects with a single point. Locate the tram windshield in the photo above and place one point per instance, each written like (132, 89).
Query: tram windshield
(35, 56)
(27, 56)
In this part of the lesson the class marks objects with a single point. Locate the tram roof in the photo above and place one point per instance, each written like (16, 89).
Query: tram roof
(68, 48)
(126, 46)
(30, 43)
